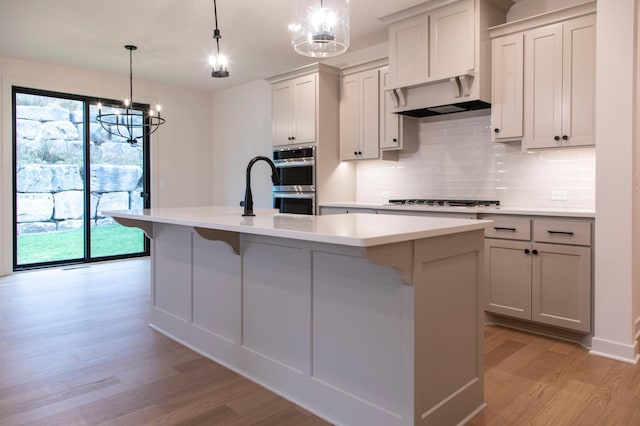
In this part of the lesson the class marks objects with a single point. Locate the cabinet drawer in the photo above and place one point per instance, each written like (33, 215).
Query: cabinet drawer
(509, 228)
(575, 232)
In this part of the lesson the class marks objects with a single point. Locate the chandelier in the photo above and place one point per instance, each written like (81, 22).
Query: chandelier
(131, 124)
(219, 63)
(320, 28)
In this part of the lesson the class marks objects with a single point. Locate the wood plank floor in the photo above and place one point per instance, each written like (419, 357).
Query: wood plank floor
(75, 349)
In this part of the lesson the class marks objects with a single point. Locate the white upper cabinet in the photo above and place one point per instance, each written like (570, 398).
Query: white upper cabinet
(543, 79)
(451, 40)
(397, 132)
(560, 84)
(409, 51)
(578, 114)
(506, 87)
(359, 116)
(294, 110)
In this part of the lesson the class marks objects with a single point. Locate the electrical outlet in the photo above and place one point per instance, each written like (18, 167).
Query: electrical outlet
(559, 195)
(385, 194)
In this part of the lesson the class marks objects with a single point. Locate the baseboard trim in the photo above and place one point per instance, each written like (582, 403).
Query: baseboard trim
(615, 350)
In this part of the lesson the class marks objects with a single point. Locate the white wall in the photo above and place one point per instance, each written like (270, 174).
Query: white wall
(456, 159)
(181, 150)
(242, 130)
(615, 256)
(636, 185)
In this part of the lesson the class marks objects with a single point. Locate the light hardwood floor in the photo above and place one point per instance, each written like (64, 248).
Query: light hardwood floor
(75, 349)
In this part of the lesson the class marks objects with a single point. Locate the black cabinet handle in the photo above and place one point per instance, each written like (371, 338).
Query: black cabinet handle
(565, 137)
(526, 251)
(534, 251)
(355, 152)
(560, 232)
(395, 140)
(359, 152)
(496, 130)
(556, 138)
(293, 138)
(501, 228)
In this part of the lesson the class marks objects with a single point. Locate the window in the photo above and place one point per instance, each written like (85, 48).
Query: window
(67, 169)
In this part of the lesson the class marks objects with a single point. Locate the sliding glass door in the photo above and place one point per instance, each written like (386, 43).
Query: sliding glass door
(67, 170)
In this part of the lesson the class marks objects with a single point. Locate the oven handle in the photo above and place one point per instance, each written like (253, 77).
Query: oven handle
(298, 162)
(305, 195)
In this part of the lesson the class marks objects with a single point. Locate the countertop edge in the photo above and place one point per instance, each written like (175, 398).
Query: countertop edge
(217, 222)
(523, 211)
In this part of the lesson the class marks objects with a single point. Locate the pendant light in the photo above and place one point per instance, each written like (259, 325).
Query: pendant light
(130, 124)
(320, 28)
(219, 63)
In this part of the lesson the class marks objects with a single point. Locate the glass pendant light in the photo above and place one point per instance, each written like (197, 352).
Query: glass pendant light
(320, 28)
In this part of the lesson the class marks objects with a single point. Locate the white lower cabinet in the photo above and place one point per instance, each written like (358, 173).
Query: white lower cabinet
(543, 277)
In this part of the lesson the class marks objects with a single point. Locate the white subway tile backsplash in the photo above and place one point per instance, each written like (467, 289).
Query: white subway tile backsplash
(457, 159)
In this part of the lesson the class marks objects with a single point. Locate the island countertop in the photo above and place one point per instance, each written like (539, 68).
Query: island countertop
(357, 230)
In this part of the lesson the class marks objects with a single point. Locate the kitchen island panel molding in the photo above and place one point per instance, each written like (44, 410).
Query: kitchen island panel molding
(276, 302)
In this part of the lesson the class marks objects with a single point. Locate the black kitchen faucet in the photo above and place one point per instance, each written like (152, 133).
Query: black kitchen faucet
(248, 197)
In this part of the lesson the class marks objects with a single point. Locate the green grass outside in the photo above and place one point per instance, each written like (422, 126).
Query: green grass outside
(109, 240)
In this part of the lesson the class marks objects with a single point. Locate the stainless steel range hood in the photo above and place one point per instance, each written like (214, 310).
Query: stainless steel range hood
(458, 94)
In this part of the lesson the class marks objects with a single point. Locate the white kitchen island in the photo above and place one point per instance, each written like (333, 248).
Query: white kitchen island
(362, 319)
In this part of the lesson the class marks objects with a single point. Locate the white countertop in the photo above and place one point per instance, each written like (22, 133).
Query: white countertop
(531, 211)
(359, 230)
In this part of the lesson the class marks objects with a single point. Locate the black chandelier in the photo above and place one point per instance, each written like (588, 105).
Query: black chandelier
(219, 63)
(131, 124)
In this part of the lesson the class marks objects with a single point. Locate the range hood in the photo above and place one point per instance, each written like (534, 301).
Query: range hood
(440, 56)
(455, 95)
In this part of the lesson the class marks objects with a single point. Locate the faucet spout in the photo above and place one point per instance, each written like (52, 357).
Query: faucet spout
(248, 196)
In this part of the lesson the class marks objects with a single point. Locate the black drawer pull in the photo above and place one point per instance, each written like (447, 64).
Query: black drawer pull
(561, 232)
(502, 228)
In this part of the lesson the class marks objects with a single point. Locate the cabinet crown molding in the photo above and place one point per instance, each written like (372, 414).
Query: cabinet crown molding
(304, 70)
(546, 18)
(430, 5)
(365, 66)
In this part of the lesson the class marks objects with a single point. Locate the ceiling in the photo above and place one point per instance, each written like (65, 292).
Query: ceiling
(174, 38)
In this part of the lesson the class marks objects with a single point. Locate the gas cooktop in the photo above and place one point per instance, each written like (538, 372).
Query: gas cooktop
(445, 203)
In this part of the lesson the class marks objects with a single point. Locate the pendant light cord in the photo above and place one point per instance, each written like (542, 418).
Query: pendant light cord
(216, 31)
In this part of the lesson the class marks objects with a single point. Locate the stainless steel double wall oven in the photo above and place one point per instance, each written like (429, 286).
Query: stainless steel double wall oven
(297, 190)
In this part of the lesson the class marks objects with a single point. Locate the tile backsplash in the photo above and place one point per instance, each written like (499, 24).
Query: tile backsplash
(457, 159)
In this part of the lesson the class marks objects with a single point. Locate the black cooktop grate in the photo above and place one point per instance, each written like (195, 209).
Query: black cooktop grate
(445, 202)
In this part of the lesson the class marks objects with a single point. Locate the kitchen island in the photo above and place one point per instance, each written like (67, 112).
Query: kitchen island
(361, 319)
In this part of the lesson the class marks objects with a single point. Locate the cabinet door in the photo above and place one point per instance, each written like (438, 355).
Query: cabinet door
(409, 51)
(506, 87)
(304, 109)
(281, 94)
(369, 106)
(561, 286)
(451, 40)
(389, 124)
(578, 114)
(507, 278)
(543, 86)
(396, 131)
(349, 118)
